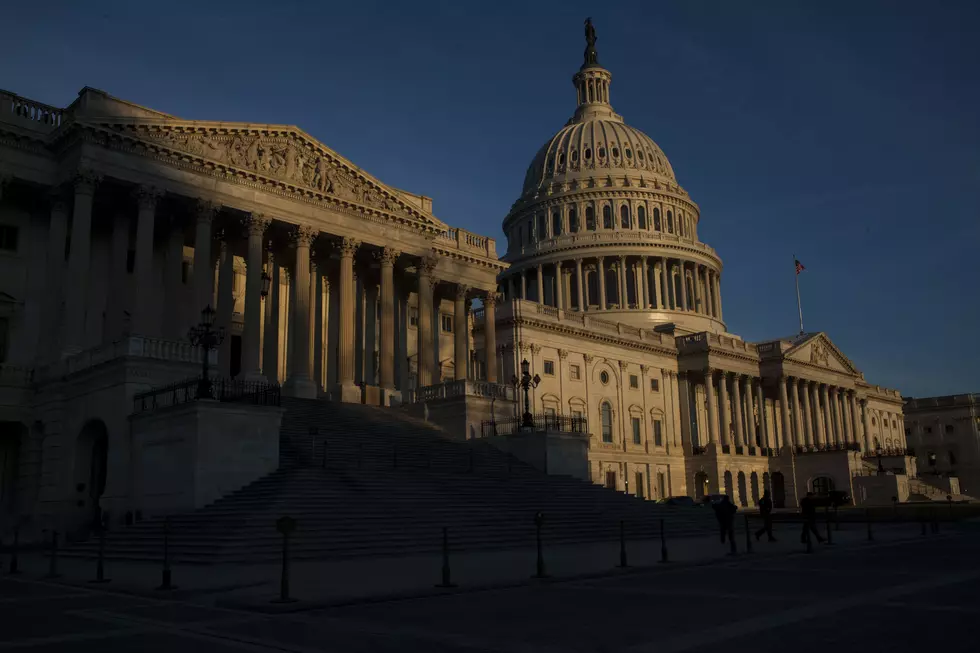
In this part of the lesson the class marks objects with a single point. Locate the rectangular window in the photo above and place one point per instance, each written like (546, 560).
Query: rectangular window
(4, 327)
(662, 485)
(413, 317)
(447, 323)
(575, 372)
(634, 381)
(658, 435)
(655, 385)
(611, 480)
(9, 235)
(639, 485)
(637, 436)
(549, 368)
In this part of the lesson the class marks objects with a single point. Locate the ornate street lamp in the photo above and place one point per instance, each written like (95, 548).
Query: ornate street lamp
(526, 382)
(266, 283)
(207, 338)
(881, 469)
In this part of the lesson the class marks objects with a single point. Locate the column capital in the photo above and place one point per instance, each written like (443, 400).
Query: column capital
(85, 181)
(57, 200)
(710, 372)
(303, 235)
(623, 365)
(205, 210)
(562, 354)
(147, 197)
(590, 267)
(588, 358)
(462, 291)
(256, 224)
(348, 246)
(427, 265)
(387, 256)
(490, 299)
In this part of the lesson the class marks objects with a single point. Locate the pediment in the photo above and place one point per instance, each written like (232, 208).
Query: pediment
(817, 349)
(283, 155)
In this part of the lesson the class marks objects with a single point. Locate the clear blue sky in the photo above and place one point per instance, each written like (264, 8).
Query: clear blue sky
(844, 132)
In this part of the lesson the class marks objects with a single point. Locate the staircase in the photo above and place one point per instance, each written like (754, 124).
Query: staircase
(367, 481)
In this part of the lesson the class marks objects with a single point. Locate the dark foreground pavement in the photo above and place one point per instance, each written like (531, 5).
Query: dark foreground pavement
(908, 596)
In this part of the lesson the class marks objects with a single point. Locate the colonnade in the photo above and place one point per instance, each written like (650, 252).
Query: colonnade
(620, 282)
(811, 414)
(309, 276)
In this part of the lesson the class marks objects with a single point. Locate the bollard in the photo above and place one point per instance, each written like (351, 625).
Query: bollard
(285, 525)
(53, 559)
(830, 537)
(446, 575)
(867, 518)
(622, 544)
(748, 536)
(100, 563)
(166, 576)
(663, 542)
(13, 551)
(538, 521)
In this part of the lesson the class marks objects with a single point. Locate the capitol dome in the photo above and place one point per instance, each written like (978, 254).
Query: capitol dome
(602, 225)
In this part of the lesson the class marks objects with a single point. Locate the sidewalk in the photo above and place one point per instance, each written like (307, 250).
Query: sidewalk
(339, 582)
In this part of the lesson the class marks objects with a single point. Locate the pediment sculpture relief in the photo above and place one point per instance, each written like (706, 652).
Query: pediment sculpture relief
(818, 355)
(284, 157)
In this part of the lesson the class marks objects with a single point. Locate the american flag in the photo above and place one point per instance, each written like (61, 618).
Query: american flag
(799, 266)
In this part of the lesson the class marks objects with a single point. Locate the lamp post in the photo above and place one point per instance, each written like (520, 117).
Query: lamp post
(881, 469)
(205, 336)
(266, 283)
(526, 382)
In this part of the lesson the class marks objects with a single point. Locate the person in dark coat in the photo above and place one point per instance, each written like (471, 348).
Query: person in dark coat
(808, 509)
(765, 511)
(725, 514)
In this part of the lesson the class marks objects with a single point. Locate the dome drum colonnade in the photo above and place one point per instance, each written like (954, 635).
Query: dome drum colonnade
(602, 224)
(349, 261)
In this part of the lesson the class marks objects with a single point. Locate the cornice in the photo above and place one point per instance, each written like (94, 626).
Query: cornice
(595, 250)
(598, 194)
(583, 334)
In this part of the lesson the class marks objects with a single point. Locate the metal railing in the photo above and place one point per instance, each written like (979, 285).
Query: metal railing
(539, 423)
(890, 451)
(258, 393)
(801, 449)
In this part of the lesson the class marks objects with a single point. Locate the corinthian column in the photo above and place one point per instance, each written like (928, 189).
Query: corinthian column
(602, 283)
(709, 390)
(681, 275)
(387, 256)
(788, 436)
(580, 280)
(749, 413)
(623, 290)
(736, 389)
(764, 437)
(866, 423)
(251, 335)
(818, 425)
(643, 288)
(203, 272)
(347, 391)
(299, 383)
(854, 420)
(810, 436)
(490, 334)
(725, 410)
(426, 268)
(146, 297)
(828, 423)
(461, 333)
(76, 296)
(664, 301)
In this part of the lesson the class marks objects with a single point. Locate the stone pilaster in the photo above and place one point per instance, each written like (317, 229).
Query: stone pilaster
(257, 224)
(144, 323)
(299, 383)
(490, 334)
(79, 261)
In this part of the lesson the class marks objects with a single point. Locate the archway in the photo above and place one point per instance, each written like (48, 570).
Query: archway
(91, 466)
(700, 485)
(12, 435)
(754, 486)
(729, 487)
(778, 490)
(743, 497)
(822, 485)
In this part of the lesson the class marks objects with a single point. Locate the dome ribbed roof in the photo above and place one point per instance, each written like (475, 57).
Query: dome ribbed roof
(596, 146)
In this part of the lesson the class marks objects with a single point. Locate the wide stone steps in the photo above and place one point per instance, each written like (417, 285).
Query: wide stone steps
(390, 485)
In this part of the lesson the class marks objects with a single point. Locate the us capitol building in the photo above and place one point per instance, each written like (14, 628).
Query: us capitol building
(119, 224)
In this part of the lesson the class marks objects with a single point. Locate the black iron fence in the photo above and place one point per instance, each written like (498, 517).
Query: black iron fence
(258, 393)
(834, 446)
(891, 451)
(539, 422)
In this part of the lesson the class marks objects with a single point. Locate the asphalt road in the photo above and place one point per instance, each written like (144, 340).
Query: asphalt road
(895, 597)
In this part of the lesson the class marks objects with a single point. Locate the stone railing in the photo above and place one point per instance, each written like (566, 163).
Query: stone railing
(942, 402)
(702, 341)
(469, 242)
(519, 307)
(463, 388)
(13, 376)
(133, 346)
(14, 108)
(603, 237)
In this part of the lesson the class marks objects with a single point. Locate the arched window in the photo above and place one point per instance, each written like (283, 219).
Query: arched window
(590, 218)
(572, 220)
(641, 217)
(556, 223)
(656, 219)
(607, 425)
(822, 485)
(670, 222)
(624, 217)
(542, 227)
(680, 223)
(530, 231)
(607, 222)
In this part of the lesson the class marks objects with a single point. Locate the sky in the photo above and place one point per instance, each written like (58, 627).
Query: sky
(844, 133)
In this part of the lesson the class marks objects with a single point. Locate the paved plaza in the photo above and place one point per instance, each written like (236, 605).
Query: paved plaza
(899, 594)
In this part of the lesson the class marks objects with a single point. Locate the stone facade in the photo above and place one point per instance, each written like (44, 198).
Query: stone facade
(945, 432)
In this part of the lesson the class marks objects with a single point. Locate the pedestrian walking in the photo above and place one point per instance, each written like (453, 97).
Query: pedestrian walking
(808, 509)
(765, 511)
(725, 514)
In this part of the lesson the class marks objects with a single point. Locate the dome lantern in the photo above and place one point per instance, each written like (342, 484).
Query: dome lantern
(592, 82)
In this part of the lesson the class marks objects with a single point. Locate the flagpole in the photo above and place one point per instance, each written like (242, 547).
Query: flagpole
(799, 305)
